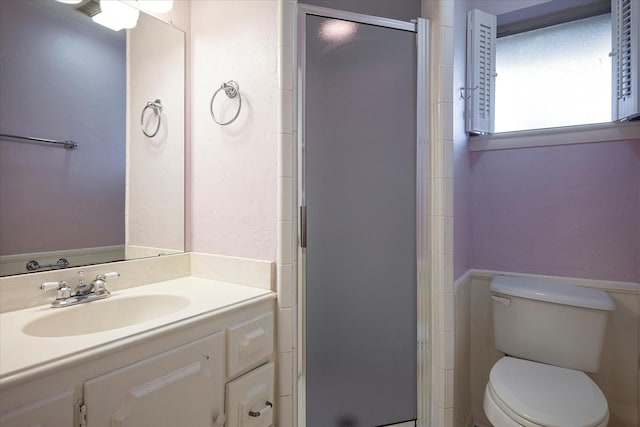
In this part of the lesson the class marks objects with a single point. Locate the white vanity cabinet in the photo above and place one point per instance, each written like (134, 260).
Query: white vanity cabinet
(189, 372)
(249, 397)
(180, 387)
(51, 411)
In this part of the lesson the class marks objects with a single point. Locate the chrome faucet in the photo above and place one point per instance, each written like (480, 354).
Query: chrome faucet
(82, 293)
(82, 288)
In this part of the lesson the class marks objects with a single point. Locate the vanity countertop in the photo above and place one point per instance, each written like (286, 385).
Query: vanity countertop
(22, 355)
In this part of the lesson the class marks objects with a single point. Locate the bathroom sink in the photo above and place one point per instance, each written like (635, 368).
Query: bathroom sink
(104, 315)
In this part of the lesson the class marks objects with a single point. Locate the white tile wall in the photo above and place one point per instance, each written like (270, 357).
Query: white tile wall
(462, 373)
(441, 220)
(285, 374)
(285, 286)
(285, 155)
(285, 198)
(287, 214)
(285, 250)
(286, 407)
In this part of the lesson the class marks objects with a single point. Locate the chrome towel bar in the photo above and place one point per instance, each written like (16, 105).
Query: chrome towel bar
(68, 144)
(34, 265)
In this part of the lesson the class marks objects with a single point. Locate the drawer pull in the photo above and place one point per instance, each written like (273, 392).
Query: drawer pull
(268, 406)
(501, 300)
(251, 341)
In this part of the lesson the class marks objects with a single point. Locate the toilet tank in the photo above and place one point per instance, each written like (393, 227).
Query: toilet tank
(559, 324)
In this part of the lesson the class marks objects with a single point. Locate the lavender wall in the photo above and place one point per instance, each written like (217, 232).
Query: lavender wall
(60, 79)
(571, 210)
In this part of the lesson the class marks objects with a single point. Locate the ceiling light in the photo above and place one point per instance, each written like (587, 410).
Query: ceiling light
(69, 1)
(116, 15)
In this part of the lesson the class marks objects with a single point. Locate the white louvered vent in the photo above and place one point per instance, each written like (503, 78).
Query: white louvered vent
(626, 59)
(481, 65)
(624, 42)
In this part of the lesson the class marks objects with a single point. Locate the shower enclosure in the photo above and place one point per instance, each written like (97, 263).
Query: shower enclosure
(362, 193)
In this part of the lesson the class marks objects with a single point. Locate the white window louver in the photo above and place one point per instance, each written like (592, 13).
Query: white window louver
(481, 74)
(626, 59)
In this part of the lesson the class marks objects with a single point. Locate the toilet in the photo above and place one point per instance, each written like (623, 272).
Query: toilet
(551, 334)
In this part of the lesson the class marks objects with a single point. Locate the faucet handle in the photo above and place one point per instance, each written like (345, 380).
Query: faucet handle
(100, 282)
(47, 286)
(105, 276)
(64, 291)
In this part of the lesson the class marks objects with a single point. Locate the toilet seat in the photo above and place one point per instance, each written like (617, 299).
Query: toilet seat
(534, 394)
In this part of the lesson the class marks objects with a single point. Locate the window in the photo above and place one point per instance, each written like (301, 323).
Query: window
(566, 66)
(559, 75)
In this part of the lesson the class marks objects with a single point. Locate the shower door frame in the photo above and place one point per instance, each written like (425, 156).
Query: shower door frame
(423, 250)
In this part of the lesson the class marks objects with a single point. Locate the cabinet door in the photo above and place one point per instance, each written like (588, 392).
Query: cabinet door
(250, 398)
(181, 387)
(53, 411)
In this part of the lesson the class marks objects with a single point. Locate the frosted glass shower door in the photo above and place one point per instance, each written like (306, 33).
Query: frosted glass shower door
(359, 185)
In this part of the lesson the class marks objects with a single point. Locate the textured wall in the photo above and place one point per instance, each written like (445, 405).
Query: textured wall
(64, 81)
(233, 168)
(155, 176)
(570, 210)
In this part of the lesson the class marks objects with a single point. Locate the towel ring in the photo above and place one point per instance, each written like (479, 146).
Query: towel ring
(231, 89)
(156, 107)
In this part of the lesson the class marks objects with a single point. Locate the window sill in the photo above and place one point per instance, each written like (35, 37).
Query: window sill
(601, 132)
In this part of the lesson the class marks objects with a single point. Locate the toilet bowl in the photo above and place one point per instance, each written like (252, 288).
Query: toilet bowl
(551, 334)
(531, 394)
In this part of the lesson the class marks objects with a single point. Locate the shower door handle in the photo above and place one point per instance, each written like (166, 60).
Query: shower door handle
(303, 226)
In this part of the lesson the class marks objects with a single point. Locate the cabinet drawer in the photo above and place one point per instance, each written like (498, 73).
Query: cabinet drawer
(249, 343)
(250, 398)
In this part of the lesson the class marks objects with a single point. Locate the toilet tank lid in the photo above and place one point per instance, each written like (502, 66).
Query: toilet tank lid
(558, 293)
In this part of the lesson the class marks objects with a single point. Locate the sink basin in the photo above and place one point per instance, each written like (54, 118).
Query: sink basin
(104, 315)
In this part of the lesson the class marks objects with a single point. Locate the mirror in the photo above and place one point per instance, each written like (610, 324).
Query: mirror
(119, 194)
